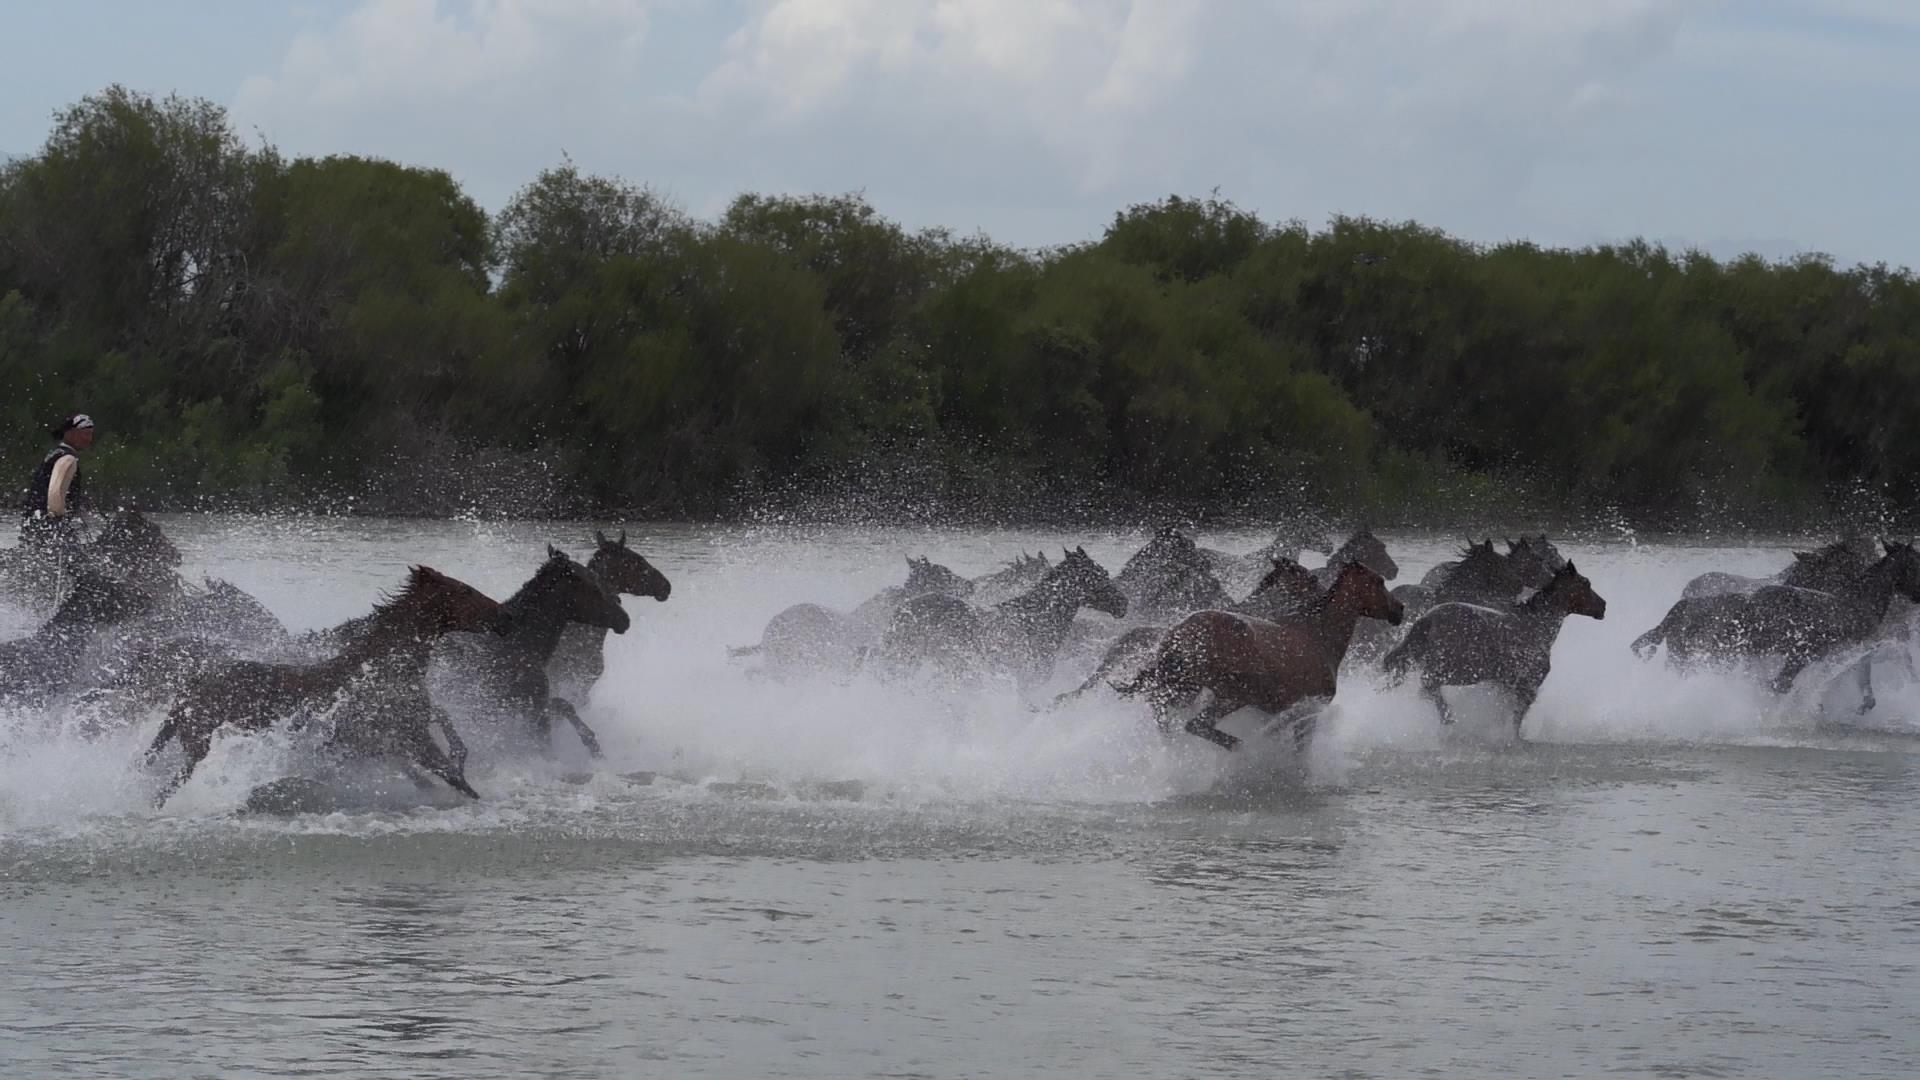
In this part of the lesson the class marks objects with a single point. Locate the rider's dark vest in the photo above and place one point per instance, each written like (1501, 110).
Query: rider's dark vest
(33, 500)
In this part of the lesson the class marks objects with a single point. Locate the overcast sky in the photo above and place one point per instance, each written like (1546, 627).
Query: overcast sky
(1766, 125)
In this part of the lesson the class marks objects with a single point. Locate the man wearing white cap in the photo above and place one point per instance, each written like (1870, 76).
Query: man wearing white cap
(54, 495)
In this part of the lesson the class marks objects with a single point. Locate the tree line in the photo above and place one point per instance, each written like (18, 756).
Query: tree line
(255, 331)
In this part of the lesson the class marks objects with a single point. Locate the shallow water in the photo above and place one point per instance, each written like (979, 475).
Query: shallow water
(1673, 877)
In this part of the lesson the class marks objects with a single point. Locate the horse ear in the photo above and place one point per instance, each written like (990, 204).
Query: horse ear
(623, 538)
(1080, 550)
(600, 538)
(1569, 568)
(555, 553)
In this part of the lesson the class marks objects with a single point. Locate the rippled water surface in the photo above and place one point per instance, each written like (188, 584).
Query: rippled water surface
(1671, 877)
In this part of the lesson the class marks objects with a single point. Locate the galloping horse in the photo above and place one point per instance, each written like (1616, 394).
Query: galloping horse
(1238, 572)
(509, 671)
(1827, 569)
(378, 684)
(1287, 589)
(43, 664)
(1364, 548)
(811, 638)
(581, 656)
(1510, 645)
(1022, 635)
(1169, 577)
(1802, 625)
(1023, 573)
(1281, 667)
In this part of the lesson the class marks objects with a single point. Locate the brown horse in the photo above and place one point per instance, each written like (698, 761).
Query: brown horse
(1287, 588)
(1281, 667)
(378, 683)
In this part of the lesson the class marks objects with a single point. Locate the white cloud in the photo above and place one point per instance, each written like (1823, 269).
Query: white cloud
(1037, 119)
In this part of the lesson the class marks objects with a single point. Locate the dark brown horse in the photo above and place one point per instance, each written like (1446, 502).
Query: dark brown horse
(1510, 645)
(1287, 589)
(507, 673)
(1281, 667)
(581, 656)
(375, 688)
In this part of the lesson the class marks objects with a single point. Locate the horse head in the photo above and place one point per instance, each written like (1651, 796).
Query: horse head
(926, 576)
(1363, 591)
(625, 570)
(1571, 592)
(1290, 578)
(1903, 563)
(1367, 550)
(1088, 581)
(582, 596)
(130, 543)
(1537, 550)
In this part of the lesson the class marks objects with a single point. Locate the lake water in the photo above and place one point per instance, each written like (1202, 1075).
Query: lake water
(1675, 876)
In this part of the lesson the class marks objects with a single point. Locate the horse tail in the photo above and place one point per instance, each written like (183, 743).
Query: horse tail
(169, 730)
(1402, 657)
(1644, 645)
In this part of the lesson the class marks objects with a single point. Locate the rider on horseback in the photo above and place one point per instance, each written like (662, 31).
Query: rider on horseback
(53, 499)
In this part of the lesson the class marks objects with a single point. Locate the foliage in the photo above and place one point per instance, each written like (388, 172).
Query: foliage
(257, 331)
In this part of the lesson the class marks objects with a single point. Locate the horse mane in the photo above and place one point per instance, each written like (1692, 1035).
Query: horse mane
(421, 580)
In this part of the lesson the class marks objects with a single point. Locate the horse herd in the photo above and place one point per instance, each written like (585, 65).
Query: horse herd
(129, 636)
(1178, 637)
(1198, 634)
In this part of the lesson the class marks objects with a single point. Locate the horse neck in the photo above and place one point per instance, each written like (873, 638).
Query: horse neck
(539, 615)
(1333, 624)
(1872, 590)
(1544, 611)
(399, 635)
(1044, 611)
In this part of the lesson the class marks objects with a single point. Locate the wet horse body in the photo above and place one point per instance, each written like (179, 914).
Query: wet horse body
(375, 688)
(580, 657)
(1019, 575)
(812, 638)
(1243, 573)
(1282, 667)
(43, 664)
(1287, 589)
(1169, 577)
(1022, 636)
(1507, 644)
(1827, 569)
(507, 673)
(1799, 624)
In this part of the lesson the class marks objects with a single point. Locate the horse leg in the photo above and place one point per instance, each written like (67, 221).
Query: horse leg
(1789, 671)
(1523, 701)
(456, 747)
(197, 741)
(1867, 701)
(1431, 689)
(426, 754)
(1300, 718)
(1216, 710)
(572, 716)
